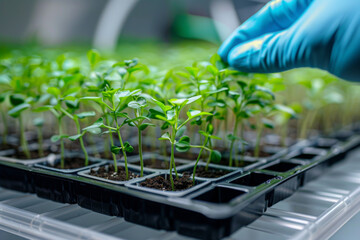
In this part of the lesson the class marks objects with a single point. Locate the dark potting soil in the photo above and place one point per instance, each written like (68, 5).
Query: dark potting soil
(33, 155)
(72, 163)
(211, 172)
(110, 174)
(7, 147)
(161, 183)
(157, 164)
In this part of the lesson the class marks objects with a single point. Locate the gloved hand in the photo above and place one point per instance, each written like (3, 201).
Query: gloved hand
(288, 34)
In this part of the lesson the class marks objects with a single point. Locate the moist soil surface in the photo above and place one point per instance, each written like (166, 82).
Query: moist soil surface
(72, 163)
(211, 172)
(161, 183)
(33, 155)
(7, 147)
(110, 174)
(157, 164)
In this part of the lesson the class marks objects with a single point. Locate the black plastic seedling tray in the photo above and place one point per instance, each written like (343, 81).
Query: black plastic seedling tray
(213, 209)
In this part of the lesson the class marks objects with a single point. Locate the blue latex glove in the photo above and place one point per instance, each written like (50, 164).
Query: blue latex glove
(288, 34)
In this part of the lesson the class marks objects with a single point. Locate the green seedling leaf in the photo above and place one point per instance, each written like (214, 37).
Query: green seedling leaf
(98, 124)
(72, 104)
(128, 148)
(217, 103)
(54, 91)
(43, 108)
(143, 126)
(76, 137)
(285, 109)
(17, 99)
(196, 113)
(115, 149)
(38, 122)
(165, 136)
(268, 123)
(193, 99)
(219, 90)
(265, 90)
(93, 57)
(193, 71)
(183, 145)
(215, 156)
(16, 111)
(85, 114)
(56, 138)
(163, 107)
(5, 79)
(180, 132)
(138, 103)
(213, 70)
(94, 131)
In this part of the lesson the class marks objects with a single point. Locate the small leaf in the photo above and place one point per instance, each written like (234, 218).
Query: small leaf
(267, 123)
(93, 57)
(115, 149)
(265, 90)
(94, 131)
(128, 148)
(56, 138)
(213, 70)
(215, 156)
(43, 108)
(75, 137)
(180, 132)
(85, 114)
(17, 99)
(183, 145)
(143, 126)
(54, 91)
(15, 112)
(38, 122)
(165, 136)
(98, 124)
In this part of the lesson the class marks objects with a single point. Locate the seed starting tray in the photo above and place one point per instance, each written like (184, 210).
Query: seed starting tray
(210, 210)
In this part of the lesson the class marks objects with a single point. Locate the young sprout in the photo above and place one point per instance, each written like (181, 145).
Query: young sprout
(19, 104)
(170, 115)
(115, 102)
(183, 145)
(246, 102)
(138, 105)
(39, 123)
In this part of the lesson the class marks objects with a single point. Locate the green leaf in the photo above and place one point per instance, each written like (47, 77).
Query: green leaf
(285, 109)
(93, 57)
(94, 131)
(5, 79)
(213, 70)
(43, 108)
(196, 113)
(193, 71)
(115, 149)
(217, 103)
(193, 99)
(76, 137)
(143, 126)
(265, 90)
(16, 111)
(183, 145)
(165, 136)
(17, 99)
(215, 156)
(180, 132)
(56, 138)
(128, 148)
(38, 122)
(139, 103)
(268, 123)
(219, 90)
(85, 114)
(54, 91)
(72, 104)
(98, 124)
(163, 107)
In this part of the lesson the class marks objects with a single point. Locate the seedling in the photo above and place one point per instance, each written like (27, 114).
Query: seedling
(116, 99)
(19, 104)
(138, 104)
(170, 115)
(39, 123)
